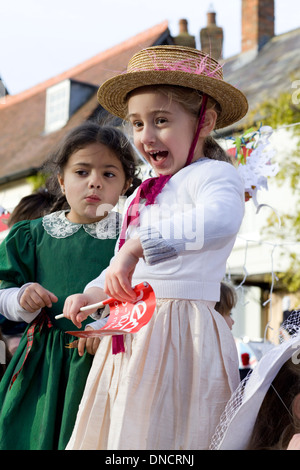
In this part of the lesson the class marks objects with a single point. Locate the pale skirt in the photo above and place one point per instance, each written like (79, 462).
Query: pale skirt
(169, 388)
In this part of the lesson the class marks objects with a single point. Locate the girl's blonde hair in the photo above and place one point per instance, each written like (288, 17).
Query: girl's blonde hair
(191, 101)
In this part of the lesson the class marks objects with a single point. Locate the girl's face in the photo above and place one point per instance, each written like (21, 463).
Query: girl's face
(92, 181)
(163, 131)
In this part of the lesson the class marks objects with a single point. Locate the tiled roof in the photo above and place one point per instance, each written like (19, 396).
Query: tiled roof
(23, 144)
(263, 76)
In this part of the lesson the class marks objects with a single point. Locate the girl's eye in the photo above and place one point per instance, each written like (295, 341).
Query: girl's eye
(108, 174)
(137, 124)
(161, 120)
(81, 172)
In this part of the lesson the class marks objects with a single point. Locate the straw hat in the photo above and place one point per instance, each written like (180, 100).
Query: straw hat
(237, 422)
(174, 65)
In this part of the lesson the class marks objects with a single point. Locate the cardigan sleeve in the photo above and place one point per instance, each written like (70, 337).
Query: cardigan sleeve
(17, 257)
(10, 307)
(208, 223)
(17, 270)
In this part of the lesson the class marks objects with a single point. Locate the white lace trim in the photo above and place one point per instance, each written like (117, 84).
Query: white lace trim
(58, 226)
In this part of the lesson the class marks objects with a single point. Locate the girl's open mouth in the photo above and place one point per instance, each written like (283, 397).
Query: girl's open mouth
(158, 156)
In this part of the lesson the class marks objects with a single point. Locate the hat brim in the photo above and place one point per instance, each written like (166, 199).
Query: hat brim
(238, 433)
(112, 94)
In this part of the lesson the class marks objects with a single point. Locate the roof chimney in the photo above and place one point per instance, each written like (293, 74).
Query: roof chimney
(257, 23)
(184, 38)
(211, 37)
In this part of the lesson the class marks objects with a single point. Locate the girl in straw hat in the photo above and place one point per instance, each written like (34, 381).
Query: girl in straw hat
(166, 386)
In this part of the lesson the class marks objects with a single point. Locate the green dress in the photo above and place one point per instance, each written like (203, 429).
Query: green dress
(38, 406)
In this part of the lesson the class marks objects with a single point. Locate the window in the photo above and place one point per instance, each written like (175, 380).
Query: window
(57, 106)
(63, 100)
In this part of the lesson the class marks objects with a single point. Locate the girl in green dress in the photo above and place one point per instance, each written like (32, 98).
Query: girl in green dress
(43, 261)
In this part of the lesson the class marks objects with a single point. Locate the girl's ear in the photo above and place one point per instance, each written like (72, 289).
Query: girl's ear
(61, 183)
(126, 186)
(209, 122)
(296, 406)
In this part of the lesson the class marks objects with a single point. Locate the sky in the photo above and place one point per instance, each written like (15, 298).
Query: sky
(40, 39)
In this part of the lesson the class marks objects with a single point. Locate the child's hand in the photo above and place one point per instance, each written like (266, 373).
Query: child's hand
(36, 297)
(90, 344)
(119, 273)
(72, 307)
(74, 302)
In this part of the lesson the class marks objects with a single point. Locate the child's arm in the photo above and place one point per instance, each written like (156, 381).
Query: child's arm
(74, 302)
(118, 275)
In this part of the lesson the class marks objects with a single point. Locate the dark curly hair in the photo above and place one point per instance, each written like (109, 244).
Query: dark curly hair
(79, 137)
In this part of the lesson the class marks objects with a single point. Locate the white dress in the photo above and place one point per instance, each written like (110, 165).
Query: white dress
(169, 388)
(167, 391)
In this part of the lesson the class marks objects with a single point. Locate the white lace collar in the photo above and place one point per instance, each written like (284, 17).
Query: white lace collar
(58, 226)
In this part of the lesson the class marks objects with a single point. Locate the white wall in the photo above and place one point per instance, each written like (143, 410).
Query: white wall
(11, 193)
(261, 247)
(247, 313)
(256, 253)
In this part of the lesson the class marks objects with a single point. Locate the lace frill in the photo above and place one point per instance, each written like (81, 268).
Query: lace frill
(58, 226)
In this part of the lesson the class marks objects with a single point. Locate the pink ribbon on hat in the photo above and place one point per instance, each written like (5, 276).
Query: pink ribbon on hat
(149, 190)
